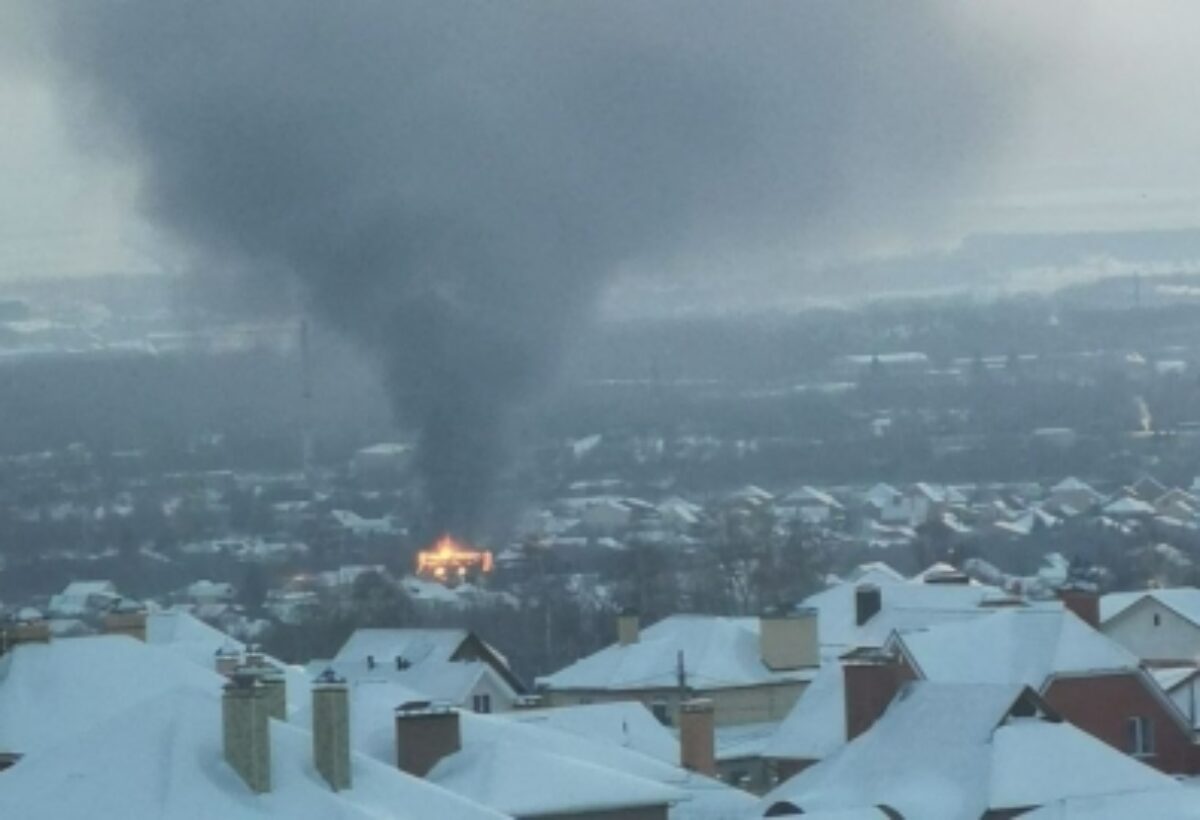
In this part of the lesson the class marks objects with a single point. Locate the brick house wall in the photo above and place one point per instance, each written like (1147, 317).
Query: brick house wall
(1102, 705)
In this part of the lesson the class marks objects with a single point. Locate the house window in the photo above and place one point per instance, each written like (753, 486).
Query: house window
(659, 709)
(1157, 619)
(1141, 736)
(482, 704)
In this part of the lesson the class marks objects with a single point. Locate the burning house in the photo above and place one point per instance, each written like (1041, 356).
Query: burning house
(450, 561)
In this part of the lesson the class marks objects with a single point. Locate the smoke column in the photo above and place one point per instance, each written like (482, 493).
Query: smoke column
(452, 182)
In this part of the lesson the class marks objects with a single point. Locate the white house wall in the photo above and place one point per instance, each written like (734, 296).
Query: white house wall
(1174, 638)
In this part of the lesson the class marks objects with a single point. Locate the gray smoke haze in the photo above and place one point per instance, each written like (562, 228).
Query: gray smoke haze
(452, 183)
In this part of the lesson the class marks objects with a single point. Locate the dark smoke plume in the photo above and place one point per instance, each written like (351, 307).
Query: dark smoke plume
(452, 181)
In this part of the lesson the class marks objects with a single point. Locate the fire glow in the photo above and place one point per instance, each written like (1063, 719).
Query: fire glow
(449, 560)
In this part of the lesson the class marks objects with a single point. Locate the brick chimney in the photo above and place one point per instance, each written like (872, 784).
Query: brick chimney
(697, 742)
(1082, 599)
(789, 640)
(425, 733)
(871, 678)
(628, 627)
(868, 600)
(246, 730)
(126, 617)
(331, 729)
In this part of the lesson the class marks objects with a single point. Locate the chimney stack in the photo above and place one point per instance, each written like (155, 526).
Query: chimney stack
(697, 742)
(247, 731)
(273, 682)
(868, 600)
(425, 733)
(628, 627)
(871, 678)
(1082, 598)
(331, 729)
(126, 617)
(789, 640)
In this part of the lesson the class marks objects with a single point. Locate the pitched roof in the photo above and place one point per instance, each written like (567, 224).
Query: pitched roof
(717, 652)
(498, 774)
(903, 606)
(1023, 646)
(51, 692)
(162, 760)
(566, 736)
(1170, 802)
(816, 726)
(1184, 601)
(434, 661)
(953, 752)
(627, 724)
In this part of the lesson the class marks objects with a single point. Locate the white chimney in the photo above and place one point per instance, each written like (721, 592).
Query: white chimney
(789, 639)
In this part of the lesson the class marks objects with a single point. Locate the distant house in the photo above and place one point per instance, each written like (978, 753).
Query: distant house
(210, 592)
(449, 665)
(1160, 626)
(752, 669)
(1128, 506)
(360, 527)
(810, 506)
(1178, 504)
(1074, 494)
(83, 598)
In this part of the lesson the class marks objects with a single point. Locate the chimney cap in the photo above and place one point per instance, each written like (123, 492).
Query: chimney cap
(782, 612)
(629, 612)
(417, 708)
(697, 706)
(329, 678)
(242, 679)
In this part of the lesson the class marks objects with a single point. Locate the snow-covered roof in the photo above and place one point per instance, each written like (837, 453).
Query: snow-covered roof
(717, 652)
(1170, 677)
(1021, 646)
(573, 734)
(628, 724)
(874, 572)
(429, 661)
(908, 605)
(1127, 505)
(50, 692)
(1074, 485)
(816, 726)
(162, 760)
(498, 775)
(185, 635)
(1169, 802)
(955, 752)
(808, 495)
(1184, 601)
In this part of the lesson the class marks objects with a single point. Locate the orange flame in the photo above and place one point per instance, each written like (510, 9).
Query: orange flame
(449, 559)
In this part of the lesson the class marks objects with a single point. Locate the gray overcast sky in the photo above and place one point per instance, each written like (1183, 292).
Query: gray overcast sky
(1105, 138)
